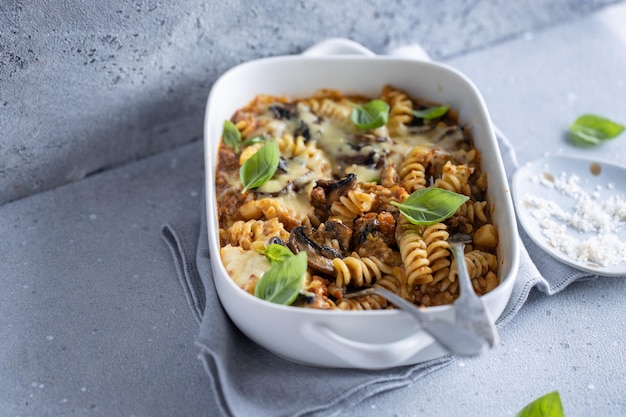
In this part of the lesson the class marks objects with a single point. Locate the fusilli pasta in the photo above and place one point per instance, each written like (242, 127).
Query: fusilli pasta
(334, 192)
(400, 111)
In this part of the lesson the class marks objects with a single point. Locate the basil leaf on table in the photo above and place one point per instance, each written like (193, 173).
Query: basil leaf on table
(231, 135)
(548, 405)
(591, 129)
(431, 112)
(283, 282)
(430, 205)
(260, 167)
(370, 116)
(276, 253)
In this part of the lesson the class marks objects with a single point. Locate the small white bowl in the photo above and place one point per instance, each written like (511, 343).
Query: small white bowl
(352, 339)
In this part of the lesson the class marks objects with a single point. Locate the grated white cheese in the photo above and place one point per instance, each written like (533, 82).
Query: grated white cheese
(597, 222)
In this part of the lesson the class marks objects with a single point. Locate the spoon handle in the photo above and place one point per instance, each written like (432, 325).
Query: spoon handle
(469, 307)
(453, 337)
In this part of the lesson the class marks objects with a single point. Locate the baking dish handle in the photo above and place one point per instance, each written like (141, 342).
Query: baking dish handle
(342, 46)
(366, 355)
(337, 46)
(412, 51)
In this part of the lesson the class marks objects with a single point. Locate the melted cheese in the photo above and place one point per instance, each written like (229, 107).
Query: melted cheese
(343, 144)
(242, 265)
(332, 147)
(364, 174)
(298, 202)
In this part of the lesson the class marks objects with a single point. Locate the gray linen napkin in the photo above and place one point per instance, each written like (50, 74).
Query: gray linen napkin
(248, 380)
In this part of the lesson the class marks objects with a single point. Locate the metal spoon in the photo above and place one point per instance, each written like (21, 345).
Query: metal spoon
(470, 310)
(456, 339)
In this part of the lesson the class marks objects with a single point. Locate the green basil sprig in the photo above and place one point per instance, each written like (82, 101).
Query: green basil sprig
(431, 112)
(430, 205)
(284, 280)
(370, 116)
(548, 405)
(591, 129)
(253, 140)
(276, 253)
(260, 167)
(231, 135)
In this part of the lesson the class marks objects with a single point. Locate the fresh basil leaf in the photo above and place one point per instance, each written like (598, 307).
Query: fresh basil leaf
(253, 140)
(431, 112)
(231, 135)
(547, 406)
(591, 129)
(283, 282)
(430, 205)
(370, 116)
(260, 167)
(275, 253)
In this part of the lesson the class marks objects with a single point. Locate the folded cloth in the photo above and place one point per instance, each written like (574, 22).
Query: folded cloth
(249, 380)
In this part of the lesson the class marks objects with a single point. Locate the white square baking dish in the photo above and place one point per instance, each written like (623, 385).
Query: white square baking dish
(364, 339)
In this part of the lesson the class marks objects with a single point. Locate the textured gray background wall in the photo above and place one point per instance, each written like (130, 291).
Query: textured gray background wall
(87, 85)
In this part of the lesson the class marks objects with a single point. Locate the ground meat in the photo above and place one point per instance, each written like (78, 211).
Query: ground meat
(375, 246)
(228, 212)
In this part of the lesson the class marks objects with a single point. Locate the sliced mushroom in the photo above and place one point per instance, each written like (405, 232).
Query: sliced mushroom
(333, 189)
(282, 165)
(373, 159)
(303, 130)
(318, 199)
(282, 111)
(334, 230)
(364, 226)
(453, 131)
(380, 225)
(364, 154)
(320, 258)
(371, 138)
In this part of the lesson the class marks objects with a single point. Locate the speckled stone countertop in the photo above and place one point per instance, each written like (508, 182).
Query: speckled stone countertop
(92, 319)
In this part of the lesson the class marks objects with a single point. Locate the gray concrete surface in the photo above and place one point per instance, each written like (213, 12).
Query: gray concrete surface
(85, 86)
(92, 319)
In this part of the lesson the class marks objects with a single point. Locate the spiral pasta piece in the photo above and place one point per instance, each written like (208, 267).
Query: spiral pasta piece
(412, 170)
(290, 146)
(479, 263)
(474, 211)
(269, 208)
(454, 178)
(366, 302)
(389, 177)
(248, 151)
(305, 151)
(338, 110)
(400, 110)
(414, 253)
(247, 126)
(351, 205)
(486, 283)
(435, 237)
(253, 234)
(358, 272)
(465, 156)
(394, 282)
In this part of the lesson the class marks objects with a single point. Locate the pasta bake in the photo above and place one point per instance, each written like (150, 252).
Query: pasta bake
(335, 193)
